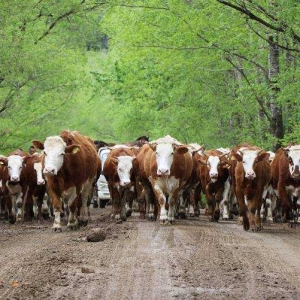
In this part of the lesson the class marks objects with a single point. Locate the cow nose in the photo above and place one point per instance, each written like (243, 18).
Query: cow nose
(14, 178)
(125, 183)
(250, 175)
(163, 172)
(41, 182)
(213, 175)
(48, 171)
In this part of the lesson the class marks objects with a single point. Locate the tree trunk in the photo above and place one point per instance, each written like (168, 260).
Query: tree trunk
(276, 126)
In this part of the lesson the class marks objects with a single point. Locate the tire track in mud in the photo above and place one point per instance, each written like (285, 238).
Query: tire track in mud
(193, 259)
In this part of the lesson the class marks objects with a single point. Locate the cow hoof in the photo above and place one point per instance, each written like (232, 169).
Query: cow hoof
(82, 223)
(72, 226)
(246, 226)
(182, 215)
(46, 216)
(128, 213)
(163, 222)
(11, 219)
(57, 229)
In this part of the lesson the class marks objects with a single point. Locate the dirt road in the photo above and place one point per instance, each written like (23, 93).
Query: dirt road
(139, 259)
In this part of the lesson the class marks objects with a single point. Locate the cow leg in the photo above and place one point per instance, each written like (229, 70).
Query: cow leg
(123, 200)
(172, 207)
(84, 211)
(285, 203)
(57, 210)
(74, 205)
(116, 203)
(161, 200)
(243, 209)
(224, 201)
(258, 220)
(10, 209)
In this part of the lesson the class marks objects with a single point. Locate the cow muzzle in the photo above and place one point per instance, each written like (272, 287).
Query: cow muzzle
(49, 171)
(163, 172)
(15, 179)
(41, 182)
(125, 183)
(250, 175)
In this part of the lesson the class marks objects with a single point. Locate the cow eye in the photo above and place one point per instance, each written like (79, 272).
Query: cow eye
(291, 161)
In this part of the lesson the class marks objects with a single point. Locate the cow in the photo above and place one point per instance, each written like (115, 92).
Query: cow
(286, 178)
(165, 166)
(251, 174)
(213, 172)
(70, 166)
(190, 196)
(120, 169)
(33, 187)
(11, 169)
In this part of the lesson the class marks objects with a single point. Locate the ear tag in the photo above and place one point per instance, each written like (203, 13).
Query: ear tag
(75, 150)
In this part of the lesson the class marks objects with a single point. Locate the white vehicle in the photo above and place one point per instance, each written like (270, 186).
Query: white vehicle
(102, 186)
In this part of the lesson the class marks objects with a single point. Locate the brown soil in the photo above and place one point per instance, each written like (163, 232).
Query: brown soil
(140, 259)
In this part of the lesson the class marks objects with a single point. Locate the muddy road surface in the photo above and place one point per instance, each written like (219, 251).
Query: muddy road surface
(140, 259)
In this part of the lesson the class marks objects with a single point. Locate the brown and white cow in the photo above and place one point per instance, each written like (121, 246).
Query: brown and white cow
(33, 186)
(213, 172)
(70, 166)
(251, 174)
(120, 169)
(286, 177)
(165, 166)
(190, 196)
(12, 166)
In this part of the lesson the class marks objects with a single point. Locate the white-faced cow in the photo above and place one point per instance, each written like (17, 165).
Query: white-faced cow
(70, 165)
(213, 172)
(120, 170)
(165, 166)
(12, 166)
(251, 174)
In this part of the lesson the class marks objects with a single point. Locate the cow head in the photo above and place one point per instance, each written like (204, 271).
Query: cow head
(14, 164)
(165, 154)
(214, 163)
(124, 168)
(39, 174)
(293, 155)
(249, 158)
(54, 150)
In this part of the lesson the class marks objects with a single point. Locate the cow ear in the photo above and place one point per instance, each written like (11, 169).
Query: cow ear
(114, 159)
(181, 150)
(224, 164)
(3, 161)
(25, 158)
(236, 156)
(286, 151)
(72, 149)
(202, 162)
(152, 146)
(263, 156)
(38, 145)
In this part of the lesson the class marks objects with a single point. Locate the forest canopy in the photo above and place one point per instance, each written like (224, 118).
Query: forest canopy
(214, 72)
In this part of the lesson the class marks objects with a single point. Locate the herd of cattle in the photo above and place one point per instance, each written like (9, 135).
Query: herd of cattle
(165, 177)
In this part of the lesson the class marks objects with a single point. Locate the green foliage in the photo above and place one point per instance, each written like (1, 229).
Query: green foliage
(115, 70)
